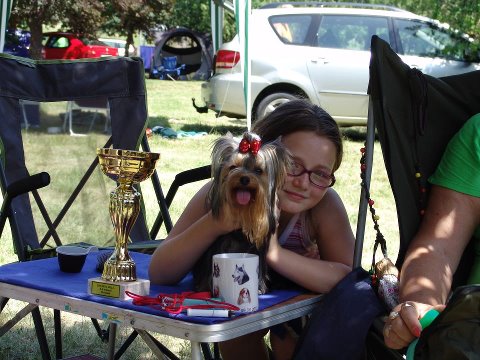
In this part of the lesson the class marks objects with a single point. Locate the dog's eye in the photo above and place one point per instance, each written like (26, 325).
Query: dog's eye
(233, 167)
(258, 171)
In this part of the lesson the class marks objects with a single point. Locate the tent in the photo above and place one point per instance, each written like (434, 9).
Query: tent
(191, 48)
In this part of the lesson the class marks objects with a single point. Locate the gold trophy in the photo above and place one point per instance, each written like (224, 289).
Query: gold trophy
(127, 168)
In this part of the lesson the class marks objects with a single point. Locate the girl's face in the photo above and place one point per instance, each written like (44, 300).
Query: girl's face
(314, 153)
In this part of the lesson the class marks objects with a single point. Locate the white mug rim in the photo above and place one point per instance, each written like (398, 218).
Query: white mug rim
(235, 256)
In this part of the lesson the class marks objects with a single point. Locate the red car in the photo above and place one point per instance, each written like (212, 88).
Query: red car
(62, 45)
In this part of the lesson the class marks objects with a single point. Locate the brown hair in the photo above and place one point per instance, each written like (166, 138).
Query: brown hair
(300, 115)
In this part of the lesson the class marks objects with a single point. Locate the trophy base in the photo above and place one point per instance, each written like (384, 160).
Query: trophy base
(116, 289)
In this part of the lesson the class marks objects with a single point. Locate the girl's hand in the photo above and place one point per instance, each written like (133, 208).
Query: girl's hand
(403, 325)
(226, 224)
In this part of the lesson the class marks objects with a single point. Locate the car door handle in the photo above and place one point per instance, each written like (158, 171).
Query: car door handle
(320, 60)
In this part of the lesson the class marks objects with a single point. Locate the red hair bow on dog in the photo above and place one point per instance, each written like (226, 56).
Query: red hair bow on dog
(253, 146)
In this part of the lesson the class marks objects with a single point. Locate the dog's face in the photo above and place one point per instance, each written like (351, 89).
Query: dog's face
(244, 297)
(216, 270)
(240, 276)
(246, 177)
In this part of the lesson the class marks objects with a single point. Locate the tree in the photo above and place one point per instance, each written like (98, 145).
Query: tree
(125, 17)
(34, 14)
(462, 15)
(192, 15)
(82, 16)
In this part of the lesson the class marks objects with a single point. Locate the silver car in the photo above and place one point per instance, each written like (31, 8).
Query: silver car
(323, 54)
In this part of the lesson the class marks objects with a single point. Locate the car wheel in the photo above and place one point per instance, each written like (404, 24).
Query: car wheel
(271, 102)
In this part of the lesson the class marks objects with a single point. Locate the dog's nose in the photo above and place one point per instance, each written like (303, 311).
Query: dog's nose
(244, 180)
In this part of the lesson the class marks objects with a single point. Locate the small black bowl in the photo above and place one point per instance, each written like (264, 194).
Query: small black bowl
(71, 258)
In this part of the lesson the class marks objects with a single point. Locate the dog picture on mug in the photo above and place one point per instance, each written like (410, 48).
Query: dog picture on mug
(244, 297)
(216, 270)
(239, 275)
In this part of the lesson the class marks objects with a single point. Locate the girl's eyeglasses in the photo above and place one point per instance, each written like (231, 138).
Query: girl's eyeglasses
(318, 178)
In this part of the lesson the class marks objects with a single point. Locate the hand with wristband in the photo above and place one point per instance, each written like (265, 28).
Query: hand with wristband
(450, 224)
(406, 321)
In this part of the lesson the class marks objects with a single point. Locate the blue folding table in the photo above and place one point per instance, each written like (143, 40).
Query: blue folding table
(41, 283)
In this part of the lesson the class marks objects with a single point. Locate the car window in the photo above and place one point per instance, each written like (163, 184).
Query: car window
(291, 29)
(351, 32)
(425, 39)
(58, 42)
(97, 43)
(115, 44)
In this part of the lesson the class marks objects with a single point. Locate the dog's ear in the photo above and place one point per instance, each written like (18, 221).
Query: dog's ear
(280, 159)
(222, 151)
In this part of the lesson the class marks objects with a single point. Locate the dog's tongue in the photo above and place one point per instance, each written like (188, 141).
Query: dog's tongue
(243, 197)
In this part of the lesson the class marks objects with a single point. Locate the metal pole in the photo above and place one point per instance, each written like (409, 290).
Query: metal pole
(362, 209)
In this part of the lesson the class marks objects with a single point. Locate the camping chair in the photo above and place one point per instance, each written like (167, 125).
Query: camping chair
(168, 69)
(121, 81)
(415, 116)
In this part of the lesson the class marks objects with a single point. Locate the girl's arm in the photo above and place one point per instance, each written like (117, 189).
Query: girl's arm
(335, 242)
(193, 233)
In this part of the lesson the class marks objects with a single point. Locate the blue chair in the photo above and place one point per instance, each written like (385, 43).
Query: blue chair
(168, 69)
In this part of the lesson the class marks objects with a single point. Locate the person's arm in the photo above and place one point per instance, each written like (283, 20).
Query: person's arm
(431, 260)
(193, 233)
(335, 243)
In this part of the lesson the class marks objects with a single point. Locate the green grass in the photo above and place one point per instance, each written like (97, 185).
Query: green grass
(169, 105)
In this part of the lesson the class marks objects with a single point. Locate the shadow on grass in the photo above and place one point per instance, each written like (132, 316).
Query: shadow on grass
(235, 126)
(355, 133)
(79, 340)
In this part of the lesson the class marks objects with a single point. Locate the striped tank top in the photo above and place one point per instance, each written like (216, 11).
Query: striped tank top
(296, 237)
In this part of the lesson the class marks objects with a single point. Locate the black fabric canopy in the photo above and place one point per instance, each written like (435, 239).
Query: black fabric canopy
(415, 116)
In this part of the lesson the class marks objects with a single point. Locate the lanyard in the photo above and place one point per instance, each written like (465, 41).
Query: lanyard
(176, 303)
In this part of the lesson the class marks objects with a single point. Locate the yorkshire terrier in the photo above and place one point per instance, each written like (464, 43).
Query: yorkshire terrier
(246, 177)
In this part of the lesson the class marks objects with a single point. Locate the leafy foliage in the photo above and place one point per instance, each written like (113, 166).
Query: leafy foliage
(125, 17)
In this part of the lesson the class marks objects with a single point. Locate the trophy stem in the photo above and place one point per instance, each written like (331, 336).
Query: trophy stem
(124, 209)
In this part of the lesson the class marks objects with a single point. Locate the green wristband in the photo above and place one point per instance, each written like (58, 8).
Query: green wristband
(429, 316)
(425, 321)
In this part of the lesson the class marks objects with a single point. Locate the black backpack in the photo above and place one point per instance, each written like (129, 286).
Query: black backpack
(455, 333)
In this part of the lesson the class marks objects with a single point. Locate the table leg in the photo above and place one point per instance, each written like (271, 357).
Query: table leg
(112, 332)
(196, 350)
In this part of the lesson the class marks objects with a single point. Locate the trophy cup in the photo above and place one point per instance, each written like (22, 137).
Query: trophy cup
(126, 167)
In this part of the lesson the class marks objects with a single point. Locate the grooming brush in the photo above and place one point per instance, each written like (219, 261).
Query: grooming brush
(101, 259)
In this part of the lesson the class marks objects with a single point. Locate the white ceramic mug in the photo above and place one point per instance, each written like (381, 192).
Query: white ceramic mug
(235, 279)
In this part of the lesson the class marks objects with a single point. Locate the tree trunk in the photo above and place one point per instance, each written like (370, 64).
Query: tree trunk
(36, 38)
(129, 41)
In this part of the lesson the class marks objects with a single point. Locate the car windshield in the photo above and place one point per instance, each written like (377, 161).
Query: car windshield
(425, 39)
(59, 41)
(90, 41)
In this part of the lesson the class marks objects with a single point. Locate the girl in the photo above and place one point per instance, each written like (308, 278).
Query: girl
(313, 244)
